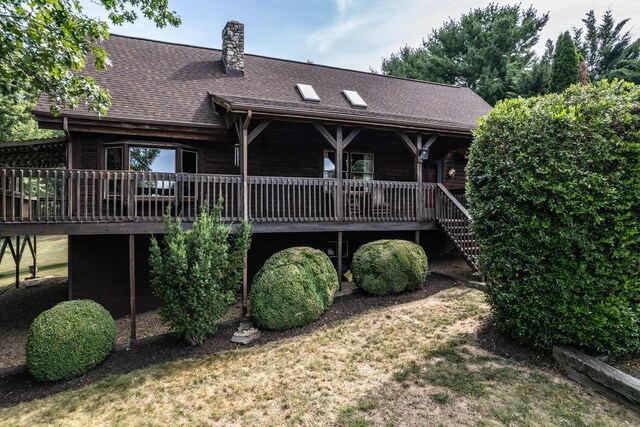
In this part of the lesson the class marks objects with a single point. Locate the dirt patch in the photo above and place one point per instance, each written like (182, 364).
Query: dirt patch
(452, 264)
(21, 387)
(493, 340)
(18, 308)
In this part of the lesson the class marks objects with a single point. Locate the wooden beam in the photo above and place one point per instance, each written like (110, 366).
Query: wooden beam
(327, 136)
(132, 286)
(420, 199)
(407, 141)
(350, 137)
(339, 164)
(244, 152)
(430, 141)
(258, 130)
(339, 254)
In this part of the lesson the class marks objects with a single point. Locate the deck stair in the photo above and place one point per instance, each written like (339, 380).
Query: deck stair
(454, 219)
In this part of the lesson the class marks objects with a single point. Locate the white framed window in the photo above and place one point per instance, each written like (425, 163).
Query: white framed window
(356, 165)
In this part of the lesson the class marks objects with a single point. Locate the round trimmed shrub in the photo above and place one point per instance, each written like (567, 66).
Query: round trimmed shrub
(294, 287)
(554, 192)
(69, 339)
(388, 267)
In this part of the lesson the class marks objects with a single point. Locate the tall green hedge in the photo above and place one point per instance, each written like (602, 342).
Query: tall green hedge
(388, 267)
(294, 287)
(69, 339)
(554, 192)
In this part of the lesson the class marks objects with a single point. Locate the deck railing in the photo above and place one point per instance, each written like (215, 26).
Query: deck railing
(455, 221)
(98, 196)
(285, 199)
(73, 196)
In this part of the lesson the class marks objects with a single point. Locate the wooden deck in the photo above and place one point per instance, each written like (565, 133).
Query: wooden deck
(56, 201)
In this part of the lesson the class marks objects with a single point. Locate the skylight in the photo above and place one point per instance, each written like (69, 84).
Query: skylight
(354, 98)
(308, 92)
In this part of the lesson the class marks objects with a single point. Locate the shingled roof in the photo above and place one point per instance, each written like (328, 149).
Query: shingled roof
(152, 81)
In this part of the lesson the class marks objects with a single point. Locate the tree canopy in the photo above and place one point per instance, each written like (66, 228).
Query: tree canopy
(46, 43)
(490, 50)
(609, 50)
(486, 50)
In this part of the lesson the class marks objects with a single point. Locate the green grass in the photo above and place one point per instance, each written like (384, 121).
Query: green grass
(52, 260)
(412, 364)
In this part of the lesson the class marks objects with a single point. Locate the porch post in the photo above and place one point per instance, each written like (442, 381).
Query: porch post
(339, 164)
(420, 198)
(244, 148)
(339, 254)
(132, 286)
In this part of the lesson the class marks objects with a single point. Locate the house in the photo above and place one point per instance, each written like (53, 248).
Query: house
(310, 154)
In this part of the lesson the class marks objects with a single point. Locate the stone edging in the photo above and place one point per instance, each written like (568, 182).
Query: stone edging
(601, 377)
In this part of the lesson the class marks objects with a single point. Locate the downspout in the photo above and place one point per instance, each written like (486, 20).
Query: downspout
(65, 128)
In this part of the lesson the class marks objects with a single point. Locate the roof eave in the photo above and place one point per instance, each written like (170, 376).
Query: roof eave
(238, 107)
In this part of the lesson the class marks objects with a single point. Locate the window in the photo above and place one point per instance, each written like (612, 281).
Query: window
(308, 93)
(356, 165)
(143, 159)
(361, 166)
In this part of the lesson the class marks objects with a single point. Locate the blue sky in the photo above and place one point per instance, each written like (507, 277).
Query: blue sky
(346, 33)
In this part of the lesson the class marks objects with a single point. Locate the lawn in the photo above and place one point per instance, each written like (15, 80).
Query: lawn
(52, 261)
(412, 364)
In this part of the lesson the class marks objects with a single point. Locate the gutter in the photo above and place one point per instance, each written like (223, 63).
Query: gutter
(288, 113)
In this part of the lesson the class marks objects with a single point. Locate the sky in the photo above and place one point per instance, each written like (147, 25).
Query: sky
(353, 34)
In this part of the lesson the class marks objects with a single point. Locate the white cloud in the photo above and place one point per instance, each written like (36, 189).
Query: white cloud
(343, 5)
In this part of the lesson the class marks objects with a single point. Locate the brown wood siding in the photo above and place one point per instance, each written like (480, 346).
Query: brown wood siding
(99, 271)
(291, 149)
(456, 161)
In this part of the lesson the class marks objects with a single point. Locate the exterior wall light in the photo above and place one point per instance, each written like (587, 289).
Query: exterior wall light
(424, 154)
(451, 173)
(236, 155)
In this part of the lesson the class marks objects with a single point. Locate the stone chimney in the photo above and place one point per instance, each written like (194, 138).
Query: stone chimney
(233, 48)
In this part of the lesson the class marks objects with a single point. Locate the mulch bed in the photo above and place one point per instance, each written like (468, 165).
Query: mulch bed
(494, 341)
(21, 387)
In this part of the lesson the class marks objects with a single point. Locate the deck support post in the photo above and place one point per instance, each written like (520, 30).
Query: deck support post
(69, 268)
(339, 174)
(17, 258)
(132, 286)
(339, 254)
(420, 198)
(244, 148)
(417, 237)
(34, 254)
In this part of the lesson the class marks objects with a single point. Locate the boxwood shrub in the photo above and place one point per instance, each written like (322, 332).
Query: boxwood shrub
(69, 339)
(554, 192)
(389, 266)
(294, 287)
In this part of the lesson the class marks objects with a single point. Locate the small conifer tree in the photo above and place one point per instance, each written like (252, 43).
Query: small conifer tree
(566, 64)
(197, 272)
